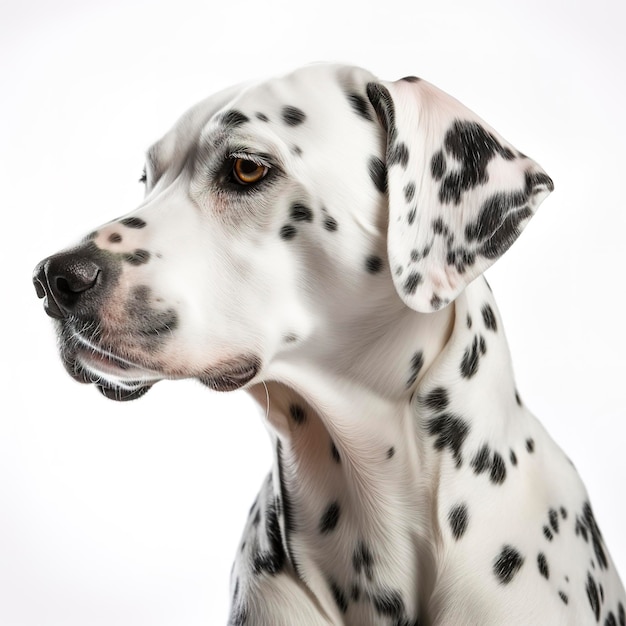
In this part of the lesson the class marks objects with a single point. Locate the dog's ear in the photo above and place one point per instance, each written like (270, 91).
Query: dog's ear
(459, 195)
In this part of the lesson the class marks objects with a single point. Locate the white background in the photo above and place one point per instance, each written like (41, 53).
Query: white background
(129, 514)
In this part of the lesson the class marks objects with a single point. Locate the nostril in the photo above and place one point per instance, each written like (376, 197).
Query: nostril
(62, 279)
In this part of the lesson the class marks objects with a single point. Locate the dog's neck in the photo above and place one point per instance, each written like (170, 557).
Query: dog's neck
(349, 454)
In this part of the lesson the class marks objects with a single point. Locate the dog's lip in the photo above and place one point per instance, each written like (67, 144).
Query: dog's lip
(233, 375)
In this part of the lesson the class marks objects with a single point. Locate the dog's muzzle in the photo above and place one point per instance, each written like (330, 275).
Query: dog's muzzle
(74, 285)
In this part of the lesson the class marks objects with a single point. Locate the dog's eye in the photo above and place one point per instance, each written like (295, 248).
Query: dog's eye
(247, 172)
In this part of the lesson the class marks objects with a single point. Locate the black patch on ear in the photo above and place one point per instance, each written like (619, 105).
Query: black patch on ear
(473, 147)
(378, 173)
(382, 102)
(360, 105)
(398, 153)
(438, 165)
(411, 283)
(292, 116)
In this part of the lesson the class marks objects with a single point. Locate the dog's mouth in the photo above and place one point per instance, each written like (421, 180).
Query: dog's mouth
(123, 377)
(117, 377)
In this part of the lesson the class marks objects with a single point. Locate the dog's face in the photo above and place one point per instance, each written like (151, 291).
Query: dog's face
(276, 216)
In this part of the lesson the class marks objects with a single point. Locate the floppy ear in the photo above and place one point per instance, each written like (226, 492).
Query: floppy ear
(459, 195)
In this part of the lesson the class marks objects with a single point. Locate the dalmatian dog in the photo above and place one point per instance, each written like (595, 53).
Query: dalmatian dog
(319, 240)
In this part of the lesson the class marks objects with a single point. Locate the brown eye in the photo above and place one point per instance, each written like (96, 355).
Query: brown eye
(248, 172)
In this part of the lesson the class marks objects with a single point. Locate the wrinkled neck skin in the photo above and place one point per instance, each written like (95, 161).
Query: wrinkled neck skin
(352, 425)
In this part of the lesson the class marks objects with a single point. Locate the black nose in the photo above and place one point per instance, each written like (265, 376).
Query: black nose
(63, 279)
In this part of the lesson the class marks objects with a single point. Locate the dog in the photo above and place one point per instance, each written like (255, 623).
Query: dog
(319, 240)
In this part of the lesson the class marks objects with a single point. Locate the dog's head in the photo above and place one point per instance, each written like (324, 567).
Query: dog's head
(276, 216)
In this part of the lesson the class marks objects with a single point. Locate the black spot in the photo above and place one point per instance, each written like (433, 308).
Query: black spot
(517, 398)
(507, 564)
(378, 173)
(330, 518)
(409, 191)
(610, 620)
(411, 79)
(417, 362)
(469, 321)
(291, 338)
(437, 399)
(601, 592)
(330, 223)
(471, 357)
(498, 470)
(288, 231)
(293, 116)
(563, 512)
(287, 509)
(232, 118)
(334, 452)
(391, 452)
(115, 238)
(436, 302)
(489, 318)
(553, 516)
(339, 596)
(530, 445)
(272, 560)
(592, 595)
(301, 213)
(563, 597)
(133, 222)
(458, 519)
(297, 413)
(262, 117)
(547, 533)
(451, 432)
(513, 457)
(389, 603)
(621, 614)
(373, 264)
(411, 283)
(596, 535)
(438, 165)
(542, 563)
(363, 560)
(383, 104)
(482, 461)
(473, 147)
(398, 153)
(138, 257)
(360, 105)
(297, 150)
(410, 217)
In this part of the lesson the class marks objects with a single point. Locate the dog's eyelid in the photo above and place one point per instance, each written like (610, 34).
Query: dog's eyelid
(259, 159)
